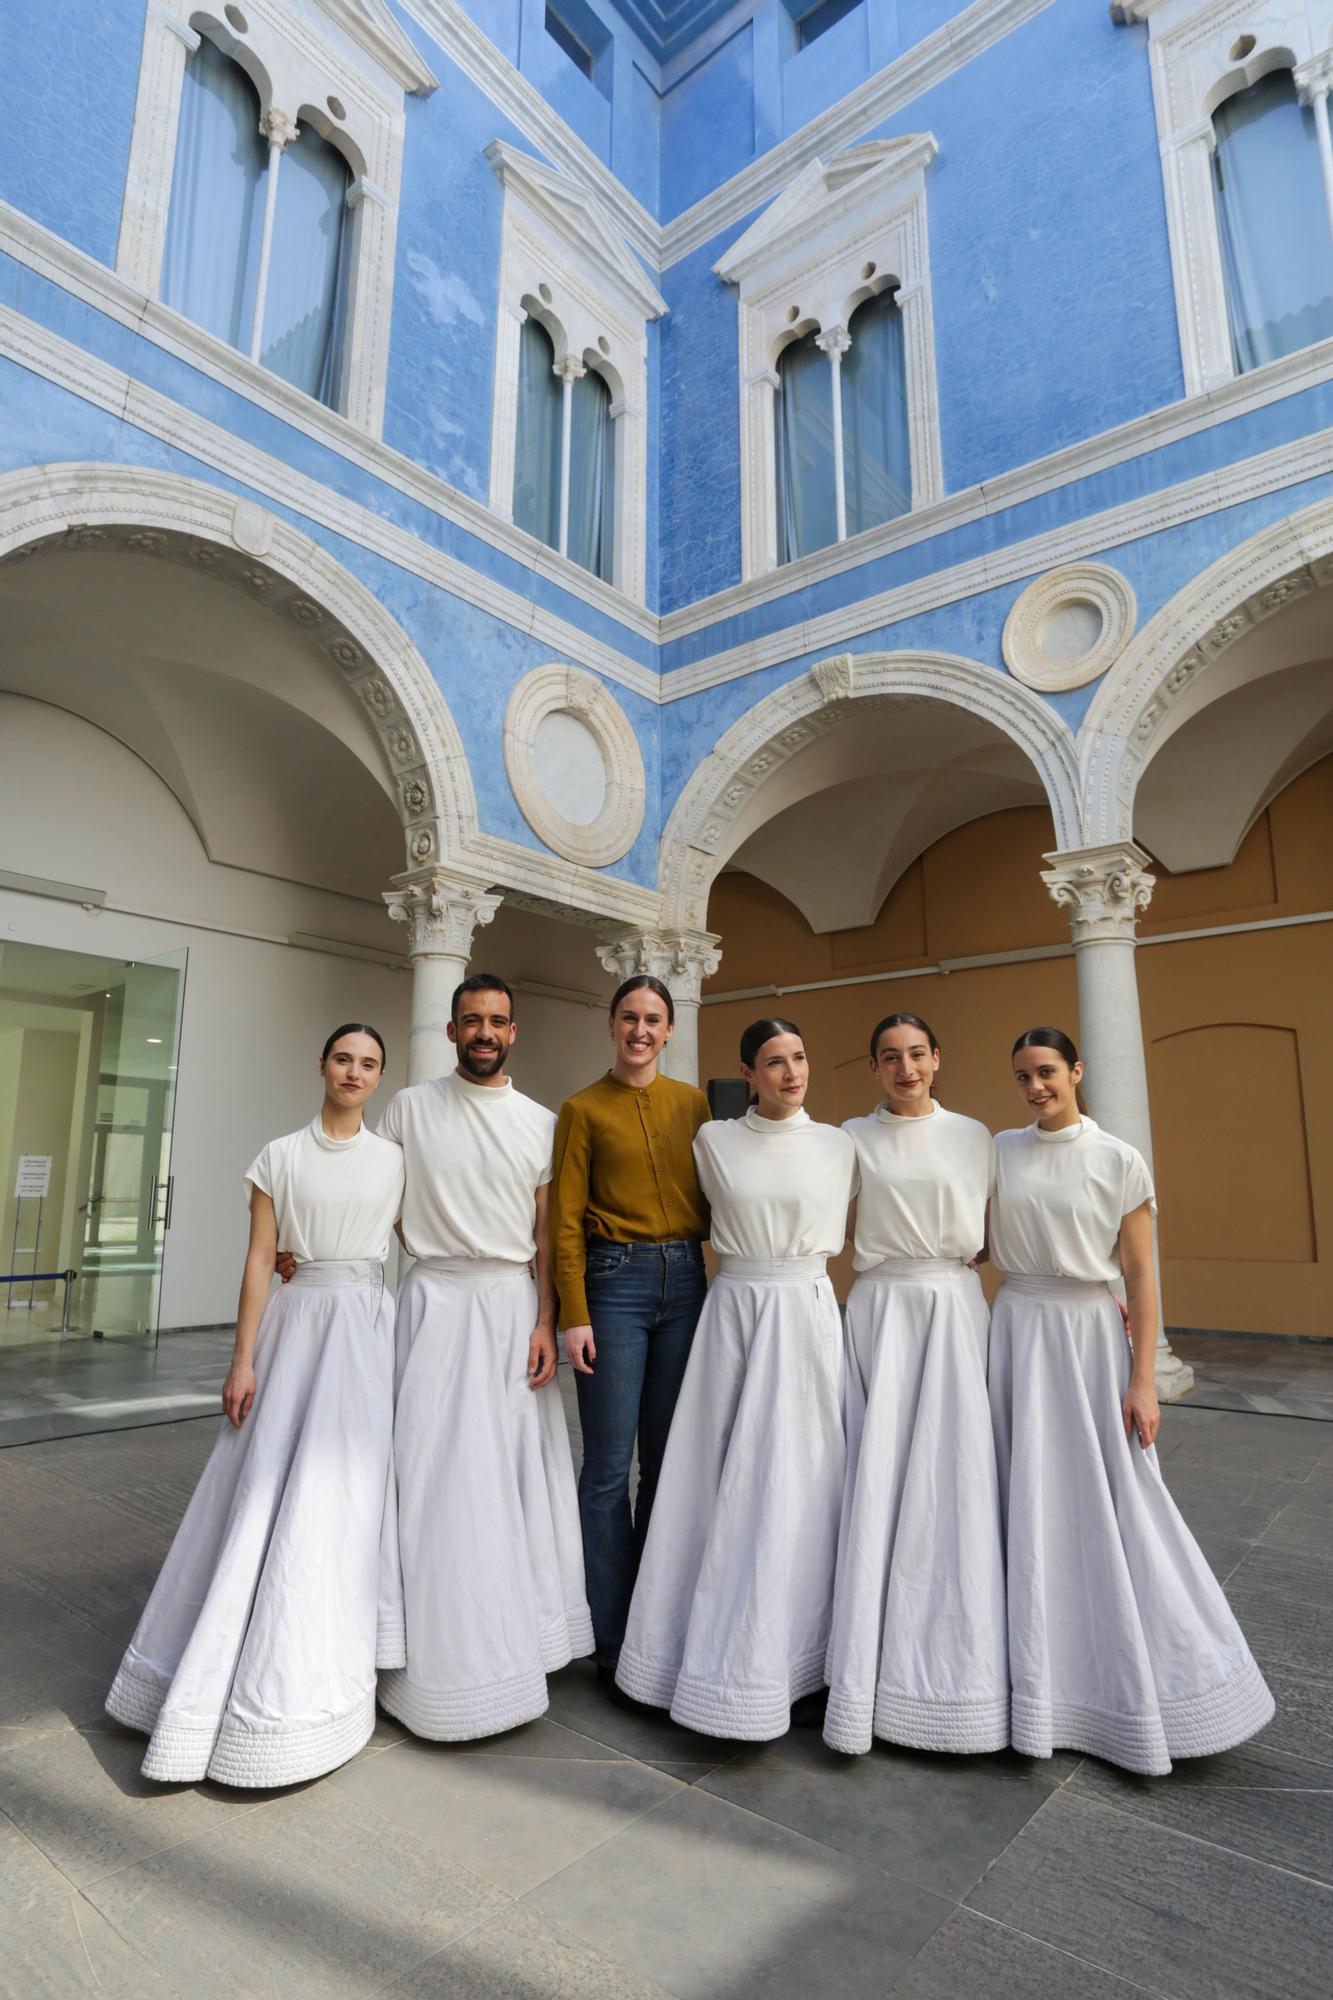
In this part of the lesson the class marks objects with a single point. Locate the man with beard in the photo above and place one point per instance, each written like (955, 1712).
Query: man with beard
(490, 1577)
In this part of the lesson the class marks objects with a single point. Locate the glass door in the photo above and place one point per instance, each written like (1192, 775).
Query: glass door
(127, 1209)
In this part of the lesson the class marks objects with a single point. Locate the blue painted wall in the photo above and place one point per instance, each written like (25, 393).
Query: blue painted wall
(1053, 306)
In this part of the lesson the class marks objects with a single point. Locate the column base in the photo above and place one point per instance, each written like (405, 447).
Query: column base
(1175, 1378)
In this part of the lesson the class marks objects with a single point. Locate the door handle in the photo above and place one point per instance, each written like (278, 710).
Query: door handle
(171, 1196)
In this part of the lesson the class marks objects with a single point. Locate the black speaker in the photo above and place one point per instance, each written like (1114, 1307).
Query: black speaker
(728, 1096)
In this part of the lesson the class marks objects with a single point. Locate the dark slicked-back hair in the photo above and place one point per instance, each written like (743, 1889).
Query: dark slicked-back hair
(482, 982)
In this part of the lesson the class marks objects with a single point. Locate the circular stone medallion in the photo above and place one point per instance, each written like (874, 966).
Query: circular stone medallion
(1068, 627)
(574, 765)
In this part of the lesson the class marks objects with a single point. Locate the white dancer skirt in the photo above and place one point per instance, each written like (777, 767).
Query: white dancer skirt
(919, 1653)
(488, 1522)
(729, 1623)
(1121, 1642)
(254, 1661)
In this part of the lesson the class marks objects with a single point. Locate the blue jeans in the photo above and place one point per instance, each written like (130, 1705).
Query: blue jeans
(644, 1301)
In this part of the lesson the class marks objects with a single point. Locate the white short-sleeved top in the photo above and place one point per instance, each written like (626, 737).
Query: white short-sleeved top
(777, 1187)
(335, 1199)
(925, 1183)
(475, 1156)
(1060, 1198)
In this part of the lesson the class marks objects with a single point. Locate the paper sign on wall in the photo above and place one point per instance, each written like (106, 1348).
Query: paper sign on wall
(34, 1176)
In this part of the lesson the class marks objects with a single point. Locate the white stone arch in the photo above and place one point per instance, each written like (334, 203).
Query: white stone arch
(1178, 646)
(161, 514)
(833, 692)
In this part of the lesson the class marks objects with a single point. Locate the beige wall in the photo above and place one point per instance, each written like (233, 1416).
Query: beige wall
(1240, 1059)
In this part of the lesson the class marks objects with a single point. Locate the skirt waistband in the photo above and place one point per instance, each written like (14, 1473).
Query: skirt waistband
(472, 1270)
(919, 1267)
(326, 1273)
(774, 1270)
(1074, 1291)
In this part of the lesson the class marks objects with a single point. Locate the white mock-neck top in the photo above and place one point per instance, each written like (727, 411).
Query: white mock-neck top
(475, 1155)
(335, 1199)
(1060, 1198)
(777, 1187)
(925, 1183)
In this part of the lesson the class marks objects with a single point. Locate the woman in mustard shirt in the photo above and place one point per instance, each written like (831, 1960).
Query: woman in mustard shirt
(628, 1220)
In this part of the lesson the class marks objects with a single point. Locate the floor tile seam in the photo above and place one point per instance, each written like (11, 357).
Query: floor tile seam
(1063, 1951)
(1138, 1821)
(578, 1860)
(843, 1855)
(473, 1925)
(139, 1958)
(208, 1832)
(67, 1881)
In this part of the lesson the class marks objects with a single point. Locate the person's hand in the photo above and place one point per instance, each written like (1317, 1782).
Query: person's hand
(285, 1266)
(1142, 1412)
(580, 1349)
(541, 1358)
(238, 1392)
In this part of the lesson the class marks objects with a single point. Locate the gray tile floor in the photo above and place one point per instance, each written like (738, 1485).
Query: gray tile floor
(597, 1855)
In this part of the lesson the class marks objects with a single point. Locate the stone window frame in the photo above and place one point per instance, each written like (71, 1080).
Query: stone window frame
(844, 230)
(564, 261)
(1195, 66)
(349, 87)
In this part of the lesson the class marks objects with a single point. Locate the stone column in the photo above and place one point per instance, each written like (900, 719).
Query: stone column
(682, 960)
(569, 370)
(1313, 81)
(1103, 890)
(441, 911)
(280, 129)
(835, 343)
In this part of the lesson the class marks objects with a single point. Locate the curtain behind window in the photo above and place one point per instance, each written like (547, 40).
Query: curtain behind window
(807, 509)
(1277, 253)
(303, 312)
(217, 198)
(537, 440)
(592, 475)
(875, 449)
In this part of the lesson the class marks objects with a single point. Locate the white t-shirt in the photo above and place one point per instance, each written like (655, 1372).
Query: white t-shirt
(777, 1187)
(475, 1156)
(1060, 1198)
(924, 1185)
(335, 1199)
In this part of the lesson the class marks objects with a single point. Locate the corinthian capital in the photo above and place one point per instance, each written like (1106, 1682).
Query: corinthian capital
(682, 960)
(1102, 889)
(835, 342)
(441, 910)
(1314, 78)
(569, 368)
(278, 127)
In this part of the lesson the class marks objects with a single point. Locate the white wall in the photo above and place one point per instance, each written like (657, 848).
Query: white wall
(78, 807)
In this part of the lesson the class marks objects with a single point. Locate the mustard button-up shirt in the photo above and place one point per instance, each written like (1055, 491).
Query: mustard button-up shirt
(624, 1173)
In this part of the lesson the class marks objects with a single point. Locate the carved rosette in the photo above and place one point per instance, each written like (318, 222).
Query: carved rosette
(441, 910)
(681, 959)
(1103, 890)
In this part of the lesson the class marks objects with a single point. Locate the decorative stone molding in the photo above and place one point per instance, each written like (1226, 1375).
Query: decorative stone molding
(1103, 890)
(442, 910)
(681, 959)
(1196, 66)
(564, 260)
(1039, 648)
(204, 528)
(1178, 646)
(701, 832)
(560, 690)
(361, 66)
(843, 231)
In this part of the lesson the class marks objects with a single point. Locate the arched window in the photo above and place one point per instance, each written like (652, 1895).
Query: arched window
(876, 456)
(537, 445)
(303, 313)
(216, 218)
(806, 476)
(215, 259)
(1273, 221)
(592, 475)
(574, 516)
(843, 459)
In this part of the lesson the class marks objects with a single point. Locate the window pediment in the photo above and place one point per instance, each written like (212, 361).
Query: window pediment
(369, 23)
(827, 196)
(579, 223)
